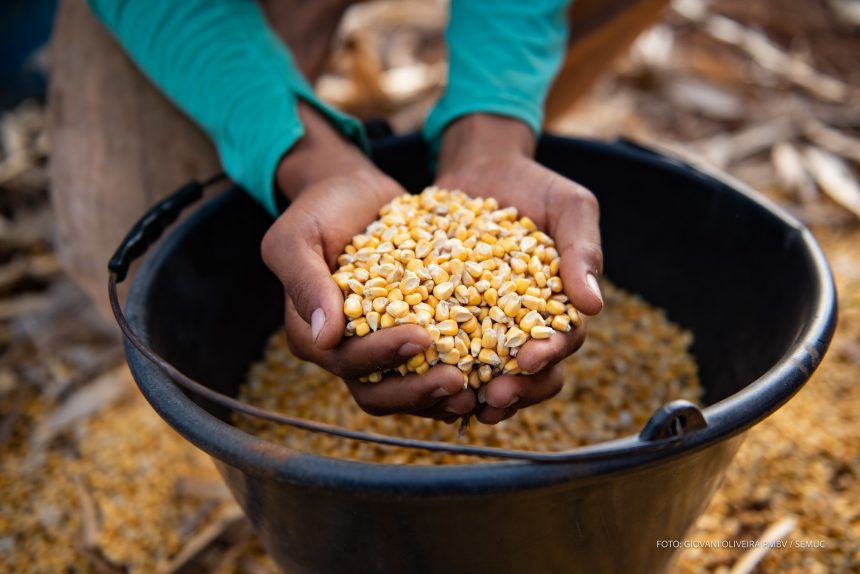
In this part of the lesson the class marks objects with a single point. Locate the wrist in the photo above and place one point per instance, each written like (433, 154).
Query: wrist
(478, 137)
(321, 153)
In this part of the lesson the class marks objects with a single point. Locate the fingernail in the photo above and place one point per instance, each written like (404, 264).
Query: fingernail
(410, 349)
(591, 281)
(317, 323)
(538, 368)
(441, 392)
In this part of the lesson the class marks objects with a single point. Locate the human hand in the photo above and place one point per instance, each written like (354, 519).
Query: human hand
(492, 156)
(335, 193)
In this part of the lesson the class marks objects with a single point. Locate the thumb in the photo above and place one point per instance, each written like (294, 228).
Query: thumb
(577, 236)
(297, 259)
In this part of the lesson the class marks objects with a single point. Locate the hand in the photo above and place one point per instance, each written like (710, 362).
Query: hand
(492, 156)
(335, 193)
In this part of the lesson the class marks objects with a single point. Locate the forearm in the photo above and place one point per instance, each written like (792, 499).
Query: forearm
(503, 57)
(222, 64)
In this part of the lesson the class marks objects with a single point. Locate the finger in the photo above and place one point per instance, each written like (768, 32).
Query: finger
(292, 249)
(455, 406)
(357, 357)
(522, 391)
(395, 394)
(536, 354)
(578, 238)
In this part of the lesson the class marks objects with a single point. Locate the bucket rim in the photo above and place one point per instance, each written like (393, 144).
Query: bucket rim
(727, 417)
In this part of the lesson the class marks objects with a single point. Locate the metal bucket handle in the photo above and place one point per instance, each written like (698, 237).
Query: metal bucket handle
(666, 428)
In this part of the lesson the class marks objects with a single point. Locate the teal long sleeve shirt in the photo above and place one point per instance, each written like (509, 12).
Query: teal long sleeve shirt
(221, 63)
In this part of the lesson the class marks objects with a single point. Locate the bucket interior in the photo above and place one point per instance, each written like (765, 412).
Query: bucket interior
(722, 265)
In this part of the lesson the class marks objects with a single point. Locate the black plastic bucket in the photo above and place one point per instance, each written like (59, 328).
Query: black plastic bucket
(749, 280)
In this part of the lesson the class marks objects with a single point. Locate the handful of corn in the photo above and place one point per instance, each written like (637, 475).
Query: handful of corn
(482, 280)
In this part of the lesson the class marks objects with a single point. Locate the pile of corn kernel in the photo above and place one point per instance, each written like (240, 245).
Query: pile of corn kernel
(482, 281)
(633, 361)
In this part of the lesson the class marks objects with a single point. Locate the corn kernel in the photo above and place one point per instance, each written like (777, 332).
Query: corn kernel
(561, 323)
(352, 307)
(443, 290)
(448, 327)
(541, 332)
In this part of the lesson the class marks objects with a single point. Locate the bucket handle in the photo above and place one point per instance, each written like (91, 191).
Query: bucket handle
(668, 427)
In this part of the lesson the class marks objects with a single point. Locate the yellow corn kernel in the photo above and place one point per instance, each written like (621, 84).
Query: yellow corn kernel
(560, 323)
(498, 315)
(448, 327)
(554, 307)
(415, 360)
(528, 223)
(465, 363)
(461, 293)
(575, 319)
(474, 380)
(412, 299)
(460, 314)
(512, 306)
(409, 284)
(512, 367)
(431, 355)
(373, 320)
(438, 275)
(489, 357)
(352, 307)
(443, 290)
(443, 312)
(518, 266)
(362, 328)
(397, 308)
(422, 368)
(434, 333)
(386, 321)
(531, 320)
(407, 319)
(341, 280)
(489, 339)
(490, 296)
(515, 337)
(461, 346)
(452, 357)
(374, 292)
(522, 284)
(506, 288)
(485, 373)
(379, 304)
(531, 302)
(541, 332)
(474, 269)
(470, 326)
(445, 344)
(474, 296)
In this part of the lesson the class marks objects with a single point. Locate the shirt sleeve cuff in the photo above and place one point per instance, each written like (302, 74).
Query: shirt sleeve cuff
(263, 187)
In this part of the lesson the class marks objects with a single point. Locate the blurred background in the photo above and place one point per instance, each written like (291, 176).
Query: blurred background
(769, 91)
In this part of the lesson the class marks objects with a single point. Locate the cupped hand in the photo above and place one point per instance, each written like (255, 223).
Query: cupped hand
(335, 193)
(492, 156)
